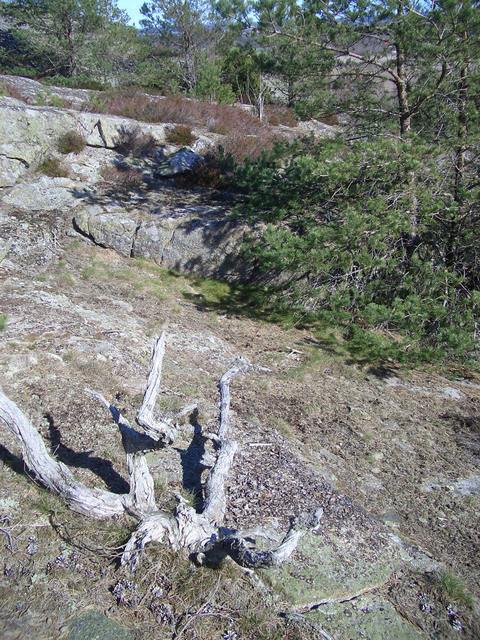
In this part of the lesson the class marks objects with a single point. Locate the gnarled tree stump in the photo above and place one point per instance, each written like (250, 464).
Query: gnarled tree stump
(200, 534)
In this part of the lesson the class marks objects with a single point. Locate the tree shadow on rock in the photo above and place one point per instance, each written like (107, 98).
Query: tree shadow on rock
(14, 462)
(191, 463)
(85, 460)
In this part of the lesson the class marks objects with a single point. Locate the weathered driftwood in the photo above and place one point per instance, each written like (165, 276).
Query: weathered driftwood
(157, 429)
(161, 429)
(200, 534)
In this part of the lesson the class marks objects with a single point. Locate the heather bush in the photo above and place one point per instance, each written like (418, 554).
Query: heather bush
(135, 143)
(242, 146)
(122, 179)
(71, 142)
(280, 115)
(218, 118)
(180, 135)
(331, 119)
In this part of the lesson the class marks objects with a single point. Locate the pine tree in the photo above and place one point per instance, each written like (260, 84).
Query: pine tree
(186, 28)
(61, 31)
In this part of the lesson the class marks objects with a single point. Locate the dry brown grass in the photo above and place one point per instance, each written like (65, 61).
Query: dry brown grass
(122, 179)
(135, 143)
(181, 135)
(217, 118)
(280, 115)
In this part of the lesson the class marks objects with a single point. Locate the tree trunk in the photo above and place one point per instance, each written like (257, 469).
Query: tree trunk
(459, 165)
(405, 120)
(71, 57)
(260, 101)
(461, 146)
(290, 92)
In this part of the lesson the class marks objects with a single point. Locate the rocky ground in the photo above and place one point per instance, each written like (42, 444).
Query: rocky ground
(392, 456)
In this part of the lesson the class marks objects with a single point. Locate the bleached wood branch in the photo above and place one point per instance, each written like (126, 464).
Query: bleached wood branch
(240, 366)
(184, 529)
(215, 499)
(142, 493)
(54, 475)
(161, 429)
(238, 549)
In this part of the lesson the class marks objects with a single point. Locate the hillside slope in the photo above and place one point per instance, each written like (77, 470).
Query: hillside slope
(391, 456)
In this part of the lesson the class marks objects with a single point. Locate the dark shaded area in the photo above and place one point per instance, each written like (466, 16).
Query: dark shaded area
(150, 184)
(85, 460)
(133, 441)
(467, 432)
(382, 372)
(15, 463)
(190, 460)
(17, 58)
(250, 300)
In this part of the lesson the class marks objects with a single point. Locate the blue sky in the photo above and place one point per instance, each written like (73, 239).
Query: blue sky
(132, 7)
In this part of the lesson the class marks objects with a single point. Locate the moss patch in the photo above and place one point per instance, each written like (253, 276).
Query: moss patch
(323, 571)
(366, 617)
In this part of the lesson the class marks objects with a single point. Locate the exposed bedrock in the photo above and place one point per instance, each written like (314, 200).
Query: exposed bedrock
(193, 239)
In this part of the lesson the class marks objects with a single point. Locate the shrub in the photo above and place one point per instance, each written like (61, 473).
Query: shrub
(122, 178)
(96, 103)
(209, 174)
(280, 115)
(134, 142)
(53, 168)
(209, 85)
(71, 142)
(218, 118)
(180, 135)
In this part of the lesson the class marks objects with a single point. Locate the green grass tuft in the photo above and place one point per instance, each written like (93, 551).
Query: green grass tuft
(454, 588)
(53, 168)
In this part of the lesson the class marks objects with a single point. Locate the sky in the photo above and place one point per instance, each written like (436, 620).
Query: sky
(132, 7)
